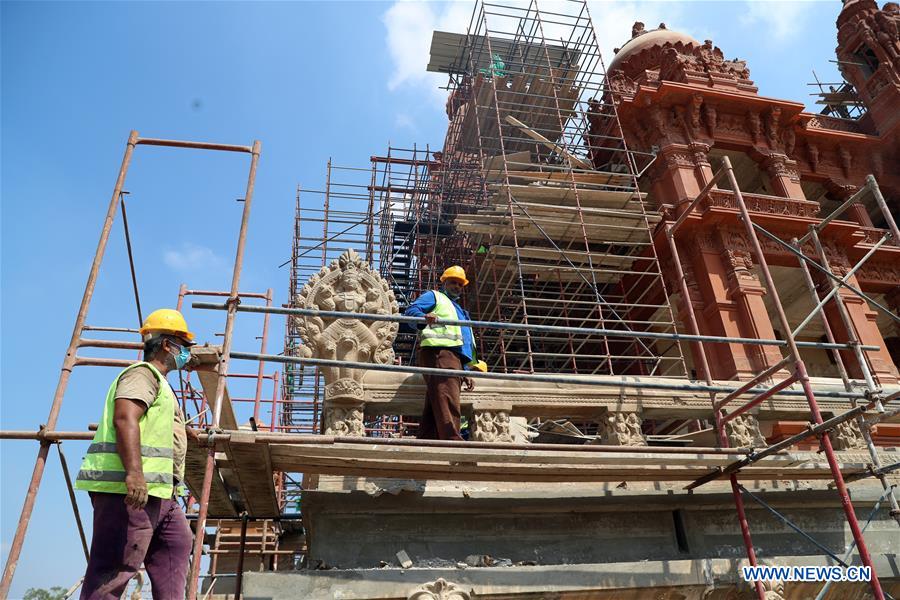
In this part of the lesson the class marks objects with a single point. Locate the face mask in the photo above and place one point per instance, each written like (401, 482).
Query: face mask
(182, 358)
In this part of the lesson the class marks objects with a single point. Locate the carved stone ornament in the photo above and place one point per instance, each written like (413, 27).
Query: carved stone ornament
(347, 285)
(743, 432)
(440, 590)
(621, 429)
(847, 436)
(491, 426)
(344, 420)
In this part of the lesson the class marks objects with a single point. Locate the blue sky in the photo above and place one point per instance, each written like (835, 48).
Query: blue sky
(311, 81)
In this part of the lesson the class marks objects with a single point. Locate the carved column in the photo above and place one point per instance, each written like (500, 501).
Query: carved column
(862, 318)
(856, 212)
(748, 293)
(621, 429)
(682, 172)
(784, 175)
(348, 285)
(733, 303)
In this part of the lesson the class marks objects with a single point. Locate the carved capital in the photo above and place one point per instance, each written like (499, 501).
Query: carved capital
(621, 429)
(440, 590)
(737, 256)
(779, 165)
(491, 426)
(743, 432)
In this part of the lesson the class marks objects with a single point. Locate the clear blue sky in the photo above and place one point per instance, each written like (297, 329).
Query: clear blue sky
(310, 80)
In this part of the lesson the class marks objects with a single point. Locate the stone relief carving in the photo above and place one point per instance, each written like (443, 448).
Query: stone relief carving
(743, 432)
(847, 436)
(344, 420)
(621, 429)
(754, 125)
(812, 152)
(696, 107)
(773, 117)
(440, 590)
(491, 426)
(347, 285)
(709, 113)
(846, 158)
(789, 139)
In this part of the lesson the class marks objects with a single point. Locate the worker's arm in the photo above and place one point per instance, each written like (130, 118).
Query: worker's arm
(128, 444)
(422, 308)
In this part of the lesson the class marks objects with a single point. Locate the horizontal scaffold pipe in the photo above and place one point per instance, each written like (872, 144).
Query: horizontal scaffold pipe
(655, 335)
(619, 382)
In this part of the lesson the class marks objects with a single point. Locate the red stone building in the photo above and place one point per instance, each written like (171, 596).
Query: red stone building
(683, 100)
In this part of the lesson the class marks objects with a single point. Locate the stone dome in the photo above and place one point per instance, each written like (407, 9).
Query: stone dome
(649, 39)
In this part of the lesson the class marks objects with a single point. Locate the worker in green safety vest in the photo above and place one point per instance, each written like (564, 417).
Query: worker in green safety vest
(134, 468)
(444, 347)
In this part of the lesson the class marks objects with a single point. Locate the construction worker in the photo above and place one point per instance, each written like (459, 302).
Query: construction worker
(444, 347)
(133, 470)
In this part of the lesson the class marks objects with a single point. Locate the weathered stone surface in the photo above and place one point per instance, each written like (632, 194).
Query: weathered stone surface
(347, 285)
(439, 590)
(491, 426)
(847, 436)
(621, 429)
(743, 432)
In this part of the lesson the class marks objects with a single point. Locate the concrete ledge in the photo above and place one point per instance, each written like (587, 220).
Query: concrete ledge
(687, 579)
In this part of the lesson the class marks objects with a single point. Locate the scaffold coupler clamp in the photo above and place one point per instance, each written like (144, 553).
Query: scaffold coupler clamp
(42, 433)
(233, 301)
(211, 433)
(875, 397)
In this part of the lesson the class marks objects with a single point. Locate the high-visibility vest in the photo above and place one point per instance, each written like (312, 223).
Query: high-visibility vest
(442, 336)
(102, 469)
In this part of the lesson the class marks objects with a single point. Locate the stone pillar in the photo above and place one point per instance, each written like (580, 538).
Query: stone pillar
(347, 285)
(682, 174)
(784, 176)
(747, 291)
(862, 318)
(733, 303)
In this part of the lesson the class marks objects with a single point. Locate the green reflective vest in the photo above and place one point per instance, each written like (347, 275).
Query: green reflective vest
(443, 336)
(102, 469)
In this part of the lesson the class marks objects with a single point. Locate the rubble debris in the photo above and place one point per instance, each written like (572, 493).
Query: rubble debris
(404, 560)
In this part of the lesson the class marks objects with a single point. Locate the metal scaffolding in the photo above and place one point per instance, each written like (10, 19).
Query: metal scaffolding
(543, 209)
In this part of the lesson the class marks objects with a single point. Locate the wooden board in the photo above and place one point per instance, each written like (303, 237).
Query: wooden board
(252, 466)
(588, 197)
(220, 504)
(209, 380)
(552, 255)
(484, 464)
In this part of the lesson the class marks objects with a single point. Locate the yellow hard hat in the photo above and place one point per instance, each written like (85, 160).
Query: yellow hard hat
(455, 272)
(166, 320)
(479, 365)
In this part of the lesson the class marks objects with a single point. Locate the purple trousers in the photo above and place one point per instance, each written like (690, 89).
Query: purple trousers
(157, 536)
